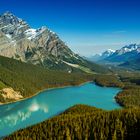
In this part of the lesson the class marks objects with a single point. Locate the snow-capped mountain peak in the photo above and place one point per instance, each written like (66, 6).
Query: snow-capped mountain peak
(110, 50)
(101, 56)
(128, 48)
(108, 53)
(127, 52)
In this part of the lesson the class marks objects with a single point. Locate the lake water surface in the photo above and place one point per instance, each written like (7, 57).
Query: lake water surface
(51, 102)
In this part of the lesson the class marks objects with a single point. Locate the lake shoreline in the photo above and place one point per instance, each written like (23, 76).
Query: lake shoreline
(53, 102)
(59, 87)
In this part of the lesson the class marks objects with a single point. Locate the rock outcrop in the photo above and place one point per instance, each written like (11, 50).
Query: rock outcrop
(9, 93)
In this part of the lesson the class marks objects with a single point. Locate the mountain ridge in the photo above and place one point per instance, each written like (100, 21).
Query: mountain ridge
(38, 46)
(128, 56)
(128, 52)
(101, 56)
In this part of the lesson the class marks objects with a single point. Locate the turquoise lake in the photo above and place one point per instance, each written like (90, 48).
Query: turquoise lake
(49, 103)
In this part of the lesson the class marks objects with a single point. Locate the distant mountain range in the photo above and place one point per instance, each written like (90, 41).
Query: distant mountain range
(39, 46)
(102, 56)
(128, 56)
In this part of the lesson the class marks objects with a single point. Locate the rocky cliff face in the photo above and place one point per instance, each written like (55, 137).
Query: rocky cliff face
(38, 46)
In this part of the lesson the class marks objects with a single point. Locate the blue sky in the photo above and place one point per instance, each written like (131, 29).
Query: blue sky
(87, 26)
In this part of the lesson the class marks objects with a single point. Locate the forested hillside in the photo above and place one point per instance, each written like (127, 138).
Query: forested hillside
(132, 64)
(29, 79)
(130, 96)
(85, 123)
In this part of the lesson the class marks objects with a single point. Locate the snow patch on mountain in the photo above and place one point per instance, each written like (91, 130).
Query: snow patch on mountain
(31, 33)
(107, 53)
(9, 36)
(129, 48)
(70, 64)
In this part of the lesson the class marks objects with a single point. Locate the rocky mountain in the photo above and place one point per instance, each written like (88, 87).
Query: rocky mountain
(102, 56)
(126, 53)
(128, 57)
(38, 46)
(107, 53)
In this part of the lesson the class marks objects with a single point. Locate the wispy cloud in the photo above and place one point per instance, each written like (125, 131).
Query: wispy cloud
(119, 32)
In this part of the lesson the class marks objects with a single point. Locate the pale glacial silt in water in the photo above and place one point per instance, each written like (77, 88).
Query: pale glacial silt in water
(52, 102)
